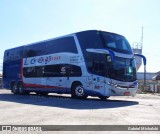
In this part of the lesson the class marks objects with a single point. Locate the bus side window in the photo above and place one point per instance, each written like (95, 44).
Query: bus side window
(33, 50)
(60, 45)
(73, 71)
(52, 71)
(39, 71)
(29, 72)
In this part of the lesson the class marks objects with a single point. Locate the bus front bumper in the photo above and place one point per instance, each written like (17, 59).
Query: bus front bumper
(119, 91)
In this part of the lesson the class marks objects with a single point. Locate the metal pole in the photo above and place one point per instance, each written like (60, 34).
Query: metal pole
(142, 37)
(144, 77)
(144, 65)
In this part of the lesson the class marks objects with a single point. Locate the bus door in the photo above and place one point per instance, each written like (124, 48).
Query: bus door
(98, 80)
(98, 85)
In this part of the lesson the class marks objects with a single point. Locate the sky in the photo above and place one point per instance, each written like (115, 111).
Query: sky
(27, 21)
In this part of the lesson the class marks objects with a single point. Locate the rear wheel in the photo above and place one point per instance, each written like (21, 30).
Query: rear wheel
(21, 89)
(14, 88)
(78, 91)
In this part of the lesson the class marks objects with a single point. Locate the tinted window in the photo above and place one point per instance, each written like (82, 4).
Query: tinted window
(66, 44)
(116, 43)
(90, 39)
(73, 71)
(29, 72)
(123, 69)
(97, 64)
(34, 50)
(59, 70)
(39, 71)
(62, 70)
(52, 71)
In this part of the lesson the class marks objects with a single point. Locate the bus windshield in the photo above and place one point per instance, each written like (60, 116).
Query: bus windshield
(122, 69)
(116, 43)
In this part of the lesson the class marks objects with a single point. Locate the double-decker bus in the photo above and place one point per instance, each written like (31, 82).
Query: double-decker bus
(87, 63)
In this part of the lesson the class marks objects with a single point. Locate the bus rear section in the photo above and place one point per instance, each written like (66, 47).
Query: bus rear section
(12, 67)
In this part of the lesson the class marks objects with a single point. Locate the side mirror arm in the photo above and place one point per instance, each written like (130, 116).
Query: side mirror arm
(143, 57)
(144, 62)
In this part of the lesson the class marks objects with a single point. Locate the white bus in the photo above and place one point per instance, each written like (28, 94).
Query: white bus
(88, 63)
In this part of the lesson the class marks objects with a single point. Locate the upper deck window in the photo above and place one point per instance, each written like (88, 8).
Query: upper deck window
(66, 44)
(34, 50)
(116, 43)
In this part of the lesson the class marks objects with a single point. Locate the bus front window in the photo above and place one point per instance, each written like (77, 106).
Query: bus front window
(122, 69)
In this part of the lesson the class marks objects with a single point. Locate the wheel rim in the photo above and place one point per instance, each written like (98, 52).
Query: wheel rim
(20, 89)
(79, 91)
(14, 88)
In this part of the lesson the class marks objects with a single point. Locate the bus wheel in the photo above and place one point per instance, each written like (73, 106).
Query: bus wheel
(21, 89)
(14, 88)
(78, 91)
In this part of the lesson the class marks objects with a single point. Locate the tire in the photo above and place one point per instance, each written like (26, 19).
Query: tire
(14, 89)
(78, 91)
(21, 89)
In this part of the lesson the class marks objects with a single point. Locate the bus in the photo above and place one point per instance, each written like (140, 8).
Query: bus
(86, 63)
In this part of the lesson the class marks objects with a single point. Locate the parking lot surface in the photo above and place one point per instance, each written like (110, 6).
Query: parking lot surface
(54, 109)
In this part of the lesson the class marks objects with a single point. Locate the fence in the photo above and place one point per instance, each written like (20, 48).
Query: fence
(151, 86)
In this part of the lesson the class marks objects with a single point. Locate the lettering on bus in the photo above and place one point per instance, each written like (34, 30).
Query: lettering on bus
(41, 60)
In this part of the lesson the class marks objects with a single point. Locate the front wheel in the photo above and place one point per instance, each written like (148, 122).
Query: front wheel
(78, 91)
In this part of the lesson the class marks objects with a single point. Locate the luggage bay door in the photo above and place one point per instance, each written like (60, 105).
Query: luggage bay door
(56, 78)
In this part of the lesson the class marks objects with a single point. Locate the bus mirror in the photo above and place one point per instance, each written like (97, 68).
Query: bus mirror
(103, 51)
